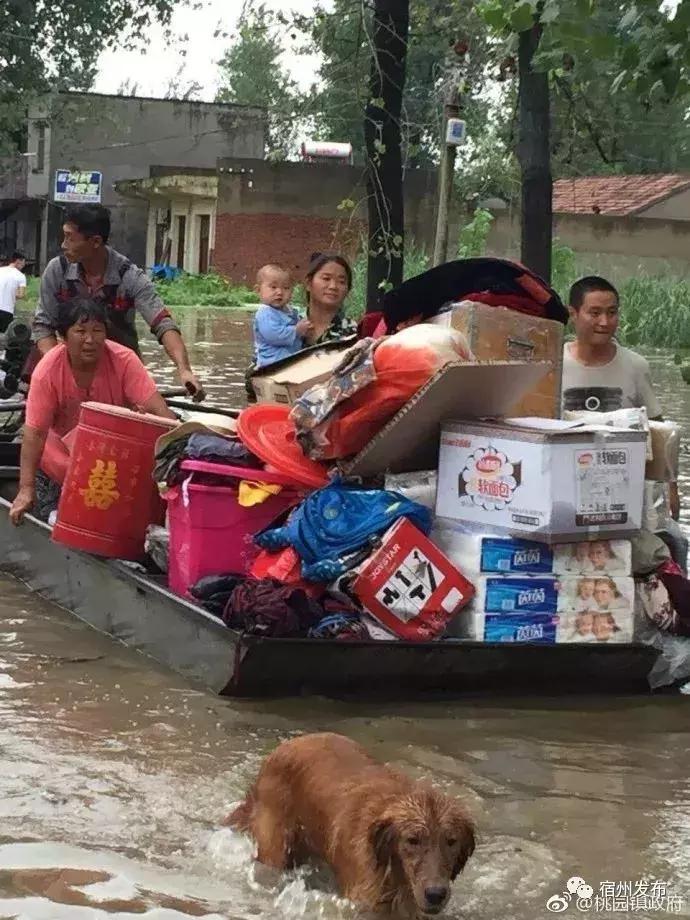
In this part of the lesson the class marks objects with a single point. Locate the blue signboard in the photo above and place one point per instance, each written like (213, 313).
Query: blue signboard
(78, 187)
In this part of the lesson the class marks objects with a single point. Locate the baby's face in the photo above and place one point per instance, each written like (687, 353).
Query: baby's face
(581, 552)
(585, 589)
(584, 622)
(599, 555)
(603, 595)
(275, 289)
(601, 626)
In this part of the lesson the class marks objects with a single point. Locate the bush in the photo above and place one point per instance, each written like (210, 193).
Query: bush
(209, 290)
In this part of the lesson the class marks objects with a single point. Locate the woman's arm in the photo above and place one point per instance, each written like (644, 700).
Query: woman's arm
(156, 406)
(33, 443)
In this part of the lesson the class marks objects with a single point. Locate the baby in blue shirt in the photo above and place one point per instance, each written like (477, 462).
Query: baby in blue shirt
(278, 330)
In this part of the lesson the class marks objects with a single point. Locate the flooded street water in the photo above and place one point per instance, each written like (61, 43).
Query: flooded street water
(115, 773)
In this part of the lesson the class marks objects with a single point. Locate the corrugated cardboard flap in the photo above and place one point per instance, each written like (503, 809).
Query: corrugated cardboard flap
(410, 441)
(290, 370)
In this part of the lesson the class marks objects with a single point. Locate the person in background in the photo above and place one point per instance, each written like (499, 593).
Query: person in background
(92, 269)
(86, 366)
(328, 282)
(599, 375)
(278, 330)
(12, 287)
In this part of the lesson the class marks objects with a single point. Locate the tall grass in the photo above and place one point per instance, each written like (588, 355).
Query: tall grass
(654, 309)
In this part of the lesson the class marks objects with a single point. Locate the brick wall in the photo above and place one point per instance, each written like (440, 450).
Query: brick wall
(245, 242)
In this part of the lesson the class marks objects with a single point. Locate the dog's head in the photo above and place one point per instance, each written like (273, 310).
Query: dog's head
(423, 840)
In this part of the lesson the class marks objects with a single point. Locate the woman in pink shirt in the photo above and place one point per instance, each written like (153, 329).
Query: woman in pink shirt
(86, 367)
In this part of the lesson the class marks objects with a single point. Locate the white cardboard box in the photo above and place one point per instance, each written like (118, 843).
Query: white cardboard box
(542, 479)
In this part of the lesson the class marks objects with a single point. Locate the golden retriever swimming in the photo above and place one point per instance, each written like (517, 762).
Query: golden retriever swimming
(394, 844)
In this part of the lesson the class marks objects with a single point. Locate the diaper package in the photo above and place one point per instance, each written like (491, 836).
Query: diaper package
(596, 626)
(479, 553)
(580, 609)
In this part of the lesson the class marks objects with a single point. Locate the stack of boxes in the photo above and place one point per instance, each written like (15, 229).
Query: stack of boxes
(536, 514)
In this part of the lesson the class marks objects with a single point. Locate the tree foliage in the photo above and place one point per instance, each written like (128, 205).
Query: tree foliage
(342, 36)
(573, 48)
(252, 73)
(53, 44)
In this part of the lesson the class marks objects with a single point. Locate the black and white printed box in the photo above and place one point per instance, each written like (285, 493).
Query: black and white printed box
(542, 479)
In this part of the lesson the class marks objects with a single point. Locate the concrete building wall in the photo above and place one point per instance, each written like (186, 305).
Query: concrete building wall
(123, 136)
(617, 246)
(285, 211)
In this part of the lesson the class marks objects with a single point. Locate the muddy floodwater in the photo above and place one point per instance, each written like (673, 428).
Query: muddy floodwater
(115, 773)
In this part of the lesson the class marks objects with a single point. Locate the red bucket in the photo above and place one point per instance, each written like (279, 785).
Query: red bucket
(109, 497)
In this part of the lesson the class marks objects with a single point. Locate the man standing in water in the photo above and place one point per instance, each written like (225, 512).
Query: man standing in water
(599, 375)
(92, 269)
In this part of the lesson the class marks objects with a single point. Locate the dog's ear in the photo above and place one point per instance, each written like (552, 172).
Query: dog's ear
(464, 827)
(382, 839)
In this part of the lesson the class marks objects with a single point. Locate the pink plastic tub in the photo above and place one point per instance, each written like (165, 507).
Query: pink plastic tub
(210, 532)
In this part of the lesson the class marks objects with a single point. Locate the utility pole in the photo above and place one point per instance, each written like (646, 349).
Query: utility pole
(453, 135)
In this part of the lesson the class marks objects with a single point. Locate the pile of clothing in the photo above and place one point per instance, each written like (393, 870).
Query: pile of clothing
(189, 443)
(267, 607)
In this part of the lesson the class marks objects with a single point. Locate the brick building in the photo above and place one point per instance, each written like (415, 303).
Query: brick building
(261, 211)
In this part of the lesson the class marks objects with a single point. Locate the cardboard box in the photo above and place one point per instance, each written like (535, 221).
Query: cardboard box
(408, 585)
(663, 465)
(410, 440)
(546, 480)
(500, 334)
(286, 380)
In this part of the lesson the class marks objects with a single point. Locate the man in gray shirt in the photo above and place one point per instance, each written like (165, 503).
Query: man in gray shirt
(599, 375)
(90, 268)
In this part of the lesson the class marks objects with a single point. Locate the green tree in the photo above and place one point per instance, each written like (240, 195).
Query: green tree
(55, 44)
(342, 36)
(252, 73)
(595, 131)
(647, 50)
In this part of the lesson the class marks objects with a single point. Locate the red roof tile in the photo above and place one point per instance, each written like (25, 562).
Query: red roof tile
(615, 195)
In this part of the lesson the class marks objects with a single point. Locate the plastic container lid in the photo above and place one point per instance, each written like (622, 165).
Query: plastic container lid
(267, 431)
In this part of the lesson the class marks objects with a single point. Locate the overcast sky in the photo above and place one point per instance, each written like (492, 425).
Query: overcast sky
(153, 71)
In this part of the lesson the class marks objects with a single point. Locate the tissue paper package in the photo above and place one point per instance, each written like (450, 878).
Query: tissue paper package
(541, 627)
(587, 609)
(612, 626)
(515, 594)
(548, 594)
(476, 553)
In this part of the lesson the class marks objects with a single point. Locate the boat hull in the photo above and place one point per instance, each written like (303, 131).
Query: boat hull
(134, 609)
